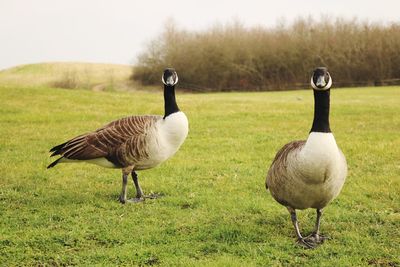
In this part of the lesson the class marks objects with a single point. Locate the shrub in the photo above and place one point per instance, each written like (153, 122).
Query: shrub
(234, 57)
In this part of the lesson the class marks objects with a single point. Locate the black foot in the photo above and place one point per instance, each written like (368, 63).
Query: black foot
(305, 243)
(135, 200)
(121, 199)
(132, 200)
(139, 199)
(153, 195)
(316, 239)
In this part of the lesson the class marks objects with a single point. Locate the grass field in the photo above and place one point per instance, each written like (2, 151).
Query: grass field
(70, 75)
(215, 210)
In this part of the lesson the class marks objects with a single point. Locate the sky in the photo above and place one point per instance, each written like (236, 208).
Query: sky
(116, 31)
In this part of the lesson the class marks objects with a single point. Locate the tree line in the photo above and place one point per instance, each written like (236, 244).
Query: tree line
(234, 57)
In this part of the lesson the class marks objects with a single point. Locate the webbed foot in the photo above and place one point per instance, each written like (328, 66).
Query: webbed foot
(135, 200)
(315, 239)
(153, 196)
(306, 243)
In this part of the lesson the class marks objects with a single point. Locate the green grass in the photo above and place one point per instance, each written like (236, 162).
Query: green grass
(215, 210)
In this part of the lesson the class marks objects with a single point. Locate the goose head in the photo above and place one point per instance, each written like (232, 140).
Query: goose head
(169, 77)
(321, 80)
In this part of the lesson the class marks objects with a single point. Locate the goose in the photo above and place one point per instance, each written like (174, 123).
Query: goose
(310, 173)
(133, 143)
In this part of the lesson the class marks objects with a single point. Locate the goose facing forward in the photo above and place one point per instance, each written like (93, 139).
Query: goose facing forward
(310, 173)
(132, 143)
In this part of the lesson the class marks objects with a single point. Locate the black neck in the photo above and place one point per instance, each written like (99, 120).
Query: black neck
(170, 105)
(321, 112)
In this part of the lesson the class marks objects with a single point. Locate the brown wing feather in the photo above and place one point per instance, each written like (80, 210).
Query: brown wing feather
(135, 146)
(110, 140)
(277, 171)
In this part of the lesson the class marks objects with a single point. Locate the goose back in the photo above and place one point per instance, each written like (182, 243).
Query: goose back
(122, 142)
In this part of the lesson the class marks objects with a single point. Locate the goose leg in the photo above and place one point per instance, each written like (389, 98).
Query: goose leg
(139, 193)
(318, 222)
(315, 237)
(300, 238)
(122, 197)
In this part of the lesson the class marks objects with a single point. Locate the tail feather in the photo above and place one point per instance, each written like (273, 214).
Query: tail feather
(71, 153)
(54, 163)
(56, 149)
(74, 141)
(55, 153)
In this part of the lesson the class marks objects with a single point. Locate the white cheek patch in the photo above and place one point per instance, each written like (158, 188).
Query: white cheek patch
(170, 80)
(329, 83)
(327, 86)
(313, 84)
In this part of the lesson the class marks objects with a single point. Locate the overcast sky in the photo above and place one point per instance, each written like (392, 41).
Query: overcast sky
(33, 31)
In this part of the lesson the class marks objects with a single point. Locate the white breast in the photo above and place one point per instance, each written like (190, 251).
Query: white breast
(322, 168)
(167, 137)
(319, 155)
(174, 129)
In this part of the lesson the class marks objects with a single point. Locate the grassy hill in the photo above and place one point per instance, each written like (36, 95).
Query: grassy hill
(215, 210)
(69, 75)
